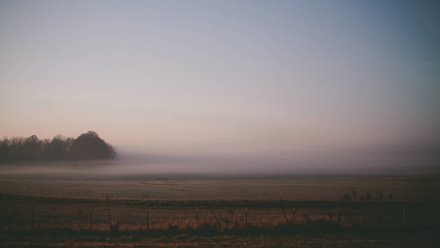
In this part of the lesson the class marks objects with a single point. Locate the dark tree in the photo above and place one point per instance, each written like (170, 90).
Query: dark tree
(90, 146)
(87, 146)
(58, 148)
(32, 148)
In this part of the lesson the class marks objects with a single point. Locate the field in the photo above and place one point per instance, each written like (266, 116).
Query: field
(220, 211)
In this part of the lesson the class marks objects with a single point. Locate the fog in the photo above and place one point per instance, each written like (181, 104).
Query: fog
(389, 160)
(248, 87)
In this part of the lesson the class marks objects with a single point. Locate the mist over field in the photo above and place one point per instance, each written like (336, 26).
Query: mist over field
(228, 86)
(383, 161)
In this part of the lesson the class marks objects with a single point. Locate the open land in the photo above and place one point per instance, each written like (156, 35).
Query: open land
(195, 210)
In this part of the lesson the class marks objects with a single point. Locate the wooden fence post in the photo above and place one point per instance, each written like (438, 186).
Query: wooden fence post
(91, 220)
(147, 220)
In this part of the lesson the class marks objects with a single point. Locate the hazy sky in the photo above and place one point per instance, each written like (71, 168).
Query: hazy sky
(223, 77)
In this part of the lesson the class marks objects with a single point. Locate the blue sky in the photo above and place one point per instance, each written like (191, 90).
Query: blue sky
(222, 77)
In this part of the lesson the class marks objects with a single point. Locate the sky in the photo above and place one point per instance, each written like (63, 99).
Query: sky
(299, 82)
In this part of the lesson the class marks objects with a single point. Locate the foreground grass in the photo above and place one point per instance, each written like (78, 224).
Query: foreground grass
(391, 239)
(67, 222)
(40, 214)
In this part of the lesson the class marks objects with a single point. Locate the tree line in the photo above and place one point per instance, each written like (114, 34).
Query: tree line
(86, 146)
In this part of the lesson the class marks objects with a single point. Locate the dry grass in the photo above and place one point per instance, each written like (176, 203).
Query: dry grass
(239, 220)
(20, 214)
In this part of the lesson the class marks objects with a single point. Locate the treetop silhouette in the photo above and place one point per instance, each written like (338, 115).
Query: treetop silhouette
(85, 147)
